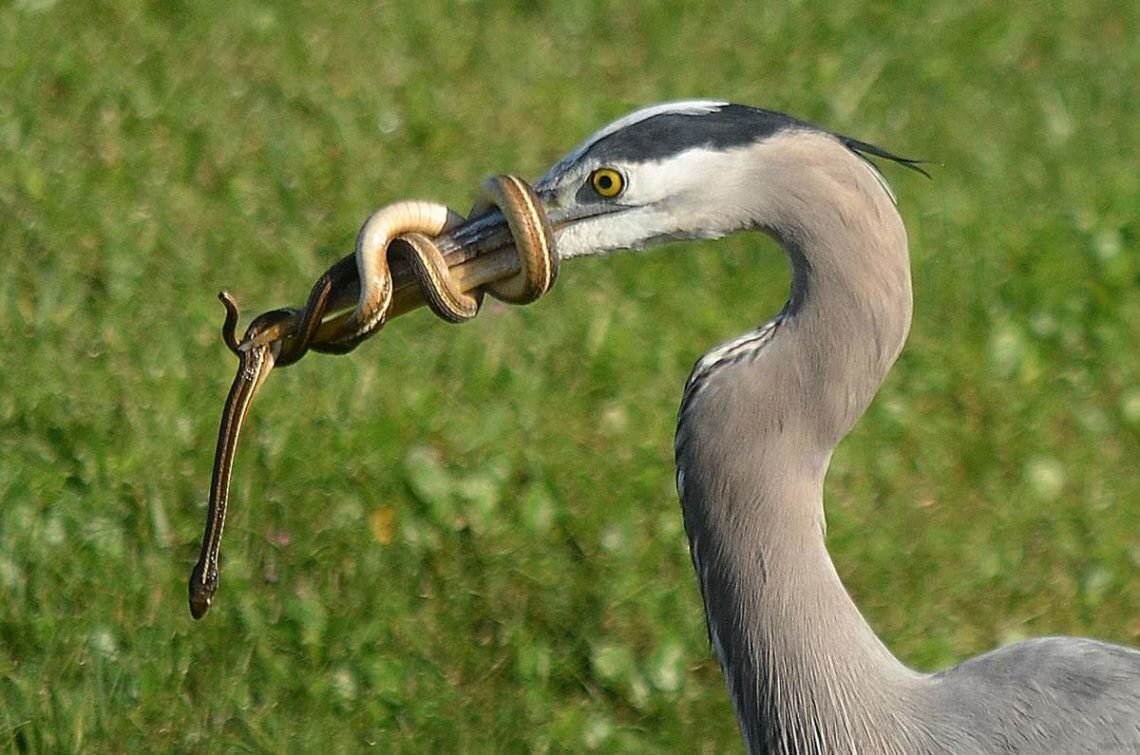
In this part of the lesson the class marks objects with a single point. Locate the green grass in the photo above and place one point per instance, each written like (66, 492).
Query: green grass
(536, 593)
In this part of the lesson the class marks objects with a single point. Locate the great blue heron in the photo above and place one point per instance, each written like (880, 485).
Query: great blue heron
(758, 423)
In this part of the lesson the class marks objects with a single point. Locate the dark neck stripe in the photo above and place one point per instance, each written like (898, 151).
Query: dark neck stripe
(748, 346)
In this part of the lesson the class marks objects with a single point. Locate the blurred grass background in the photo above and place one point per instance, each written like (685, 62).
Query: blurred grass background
(467, 539)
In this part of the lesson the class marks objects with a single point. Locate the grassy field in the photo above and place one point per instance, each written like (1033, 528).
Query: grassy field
(466, 539)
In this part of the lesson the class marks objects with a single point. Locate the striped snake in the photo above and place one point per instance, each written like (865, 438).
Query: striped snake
(412, 234)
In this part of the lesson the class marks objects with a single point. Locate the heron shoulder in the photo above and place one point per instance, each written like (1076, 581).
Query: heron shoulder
(1065, 693)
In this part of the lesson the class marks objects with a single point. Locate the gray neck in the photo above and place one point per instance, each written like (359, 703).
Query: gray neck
(755, 435)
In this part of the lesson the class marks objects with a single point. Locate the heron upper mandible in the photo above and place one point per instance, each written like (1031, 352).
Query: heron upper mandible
(760, 418)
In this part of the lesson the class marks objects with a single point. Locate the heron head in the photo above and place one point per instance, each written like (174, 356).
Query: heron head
(673, 171)
(696, 169)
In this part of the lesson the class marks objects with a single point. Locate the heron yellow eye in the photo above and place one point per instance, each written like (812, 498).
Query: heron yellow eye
(607, 182)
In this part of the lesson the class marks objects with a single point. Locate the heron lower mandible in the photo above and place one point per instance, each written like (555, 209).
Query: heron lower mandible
(760, 418)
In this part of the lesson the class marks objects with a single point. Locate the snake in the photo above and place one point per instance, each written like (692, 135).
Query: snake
(403, 231)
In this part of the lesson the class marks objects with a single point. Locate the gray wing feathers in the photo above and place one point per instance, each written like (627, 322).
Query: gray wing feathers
(1053, 694)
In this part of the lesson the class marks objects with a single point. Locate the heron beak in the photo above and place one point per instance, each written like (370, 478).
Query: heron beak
(481, 250)
(478, 251)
